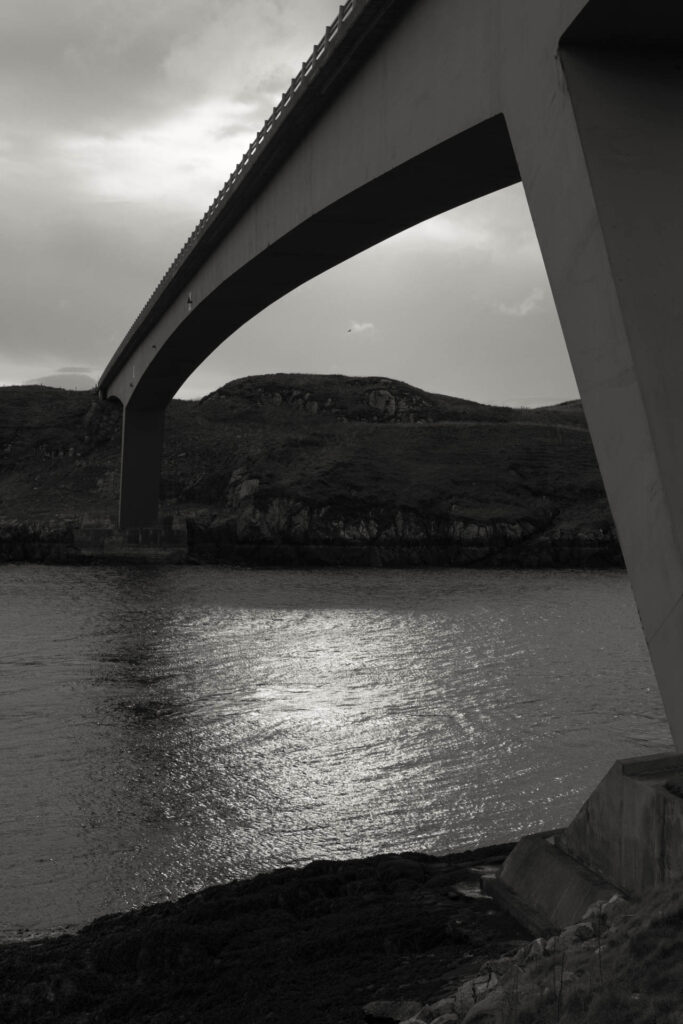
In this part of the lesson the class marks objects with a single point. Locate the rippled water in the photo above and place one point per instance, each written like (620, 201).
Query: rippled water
(163, 729)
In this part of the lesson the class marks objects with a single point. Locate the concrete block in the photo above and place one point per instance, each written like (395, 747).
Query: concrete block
(544, 888)
(630, 830)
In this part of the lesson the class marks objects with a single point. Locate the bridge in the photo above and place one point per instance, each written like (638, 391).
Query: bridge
(408, 108)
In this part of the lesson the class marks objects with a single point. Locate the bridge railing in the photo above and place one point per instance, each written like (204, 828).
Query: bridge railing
(298, 83)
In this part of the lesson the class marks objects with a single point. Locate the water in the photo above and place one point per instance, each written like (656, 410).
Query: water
(163, 729)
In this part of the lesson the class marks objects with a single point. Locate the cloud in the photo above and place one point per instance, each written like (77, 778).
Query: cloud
(361, 328)
(250, 48)
(459, 229)
(182, 159)
(524, 306)
(131, 100)
(66, 379)
(89, 63)
(493, 230)
(121, 121)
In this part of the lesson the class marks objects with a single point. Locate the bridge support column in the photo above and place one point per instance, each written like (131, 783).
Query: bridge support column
(600, 149)
(141, 448)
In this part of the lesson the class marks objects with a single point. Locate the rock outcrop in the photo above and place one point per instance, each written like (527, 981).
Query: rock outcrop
(284, 531)
(536, 982)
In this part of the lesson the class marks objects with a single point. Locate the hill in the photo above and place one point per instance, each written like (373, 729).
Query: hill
(317, 469)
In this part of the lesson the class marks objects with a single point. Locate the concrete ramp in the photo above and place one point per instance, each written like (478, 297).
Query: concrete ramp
(544, 888)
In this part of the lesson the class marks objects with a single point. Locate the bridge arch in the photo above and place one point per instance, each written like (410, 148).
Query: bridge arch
(411, 108)
(472, 164)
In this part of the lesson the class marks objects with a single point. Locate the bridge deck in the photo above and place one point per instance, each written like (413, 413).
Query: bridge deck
(348, 42)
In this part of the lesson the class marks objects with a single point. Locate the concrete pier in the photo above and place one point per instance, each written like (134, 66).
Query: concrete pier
(142, 441)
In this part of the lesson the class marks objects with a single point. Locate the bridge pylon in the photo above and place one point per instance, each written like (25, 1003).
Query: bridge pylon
(142, 440)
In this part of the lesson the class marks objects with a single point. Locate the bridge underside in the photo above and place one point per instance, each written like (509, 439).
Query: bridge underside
(473, 163)
(582, 100)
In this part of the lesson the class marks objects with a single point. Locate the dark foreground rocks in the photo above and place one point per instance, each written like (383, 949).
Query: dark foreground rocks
(383, 940)
(621, 964)
(294, 946)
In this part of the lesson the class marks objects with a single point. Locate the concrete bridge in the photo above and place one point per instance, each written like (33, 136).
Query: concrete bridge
(408, 108)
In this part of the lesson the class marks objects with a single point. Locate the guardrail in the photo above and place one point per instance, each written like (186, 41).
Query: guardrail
(298, 83)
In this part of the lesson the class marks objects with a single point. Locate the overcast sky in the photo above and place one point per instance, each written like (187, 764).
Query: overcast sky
(120, 121)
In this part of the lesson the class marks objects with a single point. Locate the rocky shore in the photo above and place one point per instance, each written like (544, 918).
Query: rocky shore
(314, 944)
(295, 535)
(407, 938)
(275, 537)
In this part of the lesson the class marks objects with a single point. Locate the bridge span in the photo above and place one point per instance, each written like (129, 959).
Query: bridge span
(408, 108)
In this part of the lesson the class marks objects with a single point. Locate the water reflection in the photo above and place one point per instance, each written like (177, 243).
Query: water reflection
(171, 728)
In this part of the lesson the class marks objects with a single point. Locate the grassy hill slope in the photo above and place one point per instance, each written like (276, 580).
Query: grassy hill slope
(291, 467)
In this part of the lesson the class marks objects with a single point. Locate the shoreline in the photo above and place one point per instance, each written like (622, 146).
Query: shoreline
(358, 930)
(270, 541)
(29, 551)
(378, 940)
(488, 853)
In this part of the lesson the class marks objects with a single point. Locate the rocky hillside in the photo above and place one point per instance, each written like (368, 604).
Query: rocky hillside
(305, 469)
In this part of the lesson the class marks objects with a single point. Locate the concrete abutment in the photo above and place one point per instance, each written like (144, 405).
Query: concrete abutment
(626, 840)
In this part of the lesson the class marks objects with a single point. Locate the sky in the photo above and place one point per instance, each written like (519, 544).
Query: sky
(119, 122)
